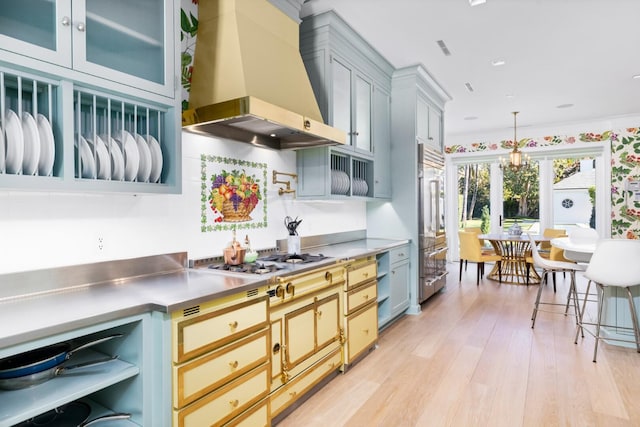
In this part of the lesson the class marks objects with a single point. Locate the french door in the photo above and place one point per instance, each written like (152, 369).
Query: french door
(549, 194)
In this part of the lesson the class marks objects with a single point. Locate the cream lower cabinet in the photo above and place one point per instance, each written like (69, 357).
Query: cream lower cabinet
(221, 366)
(306, 336)
(360, 309)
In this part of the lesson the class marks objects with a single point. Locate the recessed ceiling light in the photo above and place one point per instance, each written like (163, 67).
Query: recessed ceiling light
(471, 118)
(510, 95)
(637, 76)
(497, 62)
(476, 2)
(565, 106)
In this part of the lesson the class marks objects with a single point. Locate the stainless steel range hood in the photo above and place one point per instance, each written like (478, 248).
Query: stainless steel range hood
(249, 83)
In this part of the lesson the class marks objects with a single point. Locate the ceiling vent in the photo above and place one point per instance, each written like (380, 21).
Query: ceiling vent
(444, 48)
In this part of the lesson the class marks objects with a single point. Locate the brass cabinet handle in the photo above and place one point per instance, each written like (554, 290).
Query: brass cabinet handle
(365, 296)
(365, 274)
(234, 364)
(366, 331)
(319, 313)
(293, 393)
(328, 276)
(290, 288)
(233, 324)
(234, 403)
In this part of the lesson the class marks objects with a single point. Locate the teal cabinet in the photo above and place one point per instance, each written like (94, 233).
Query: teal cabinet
(352, 84)
(87, 97)
(125, 384)
(428, 124)
(393, 284)
(131, 42)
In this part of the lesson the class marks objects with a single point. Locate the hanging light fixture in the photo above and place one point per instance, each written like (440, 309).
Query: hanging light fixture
(516, 159)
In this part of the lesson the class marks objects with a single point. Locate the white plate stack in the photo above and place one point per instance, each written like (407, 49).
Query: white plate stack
(339, 182)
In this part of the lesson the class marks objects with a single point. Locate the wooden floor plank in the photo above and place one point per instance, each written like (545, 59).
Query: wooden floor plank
(470, 358)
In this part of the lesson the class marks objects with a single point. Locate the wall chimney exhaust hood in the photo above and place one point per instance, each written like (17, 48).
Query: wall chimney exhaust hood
(249, 83)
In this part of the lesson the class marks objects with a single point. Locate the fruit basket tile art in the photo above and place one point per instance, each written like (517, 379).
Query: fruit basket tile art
(233, 194)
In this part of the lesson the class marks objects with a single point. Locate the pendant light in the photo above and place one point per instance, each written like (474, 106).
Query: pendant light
(516, 160)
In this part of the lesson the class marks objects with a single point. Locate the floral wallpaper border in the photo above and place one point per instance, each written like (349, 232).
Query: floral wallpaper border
(625, 166)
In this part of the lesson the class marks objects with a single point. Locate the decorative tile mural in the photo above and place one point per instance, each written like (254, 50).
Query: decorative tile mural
(233, 194)
(625, 170)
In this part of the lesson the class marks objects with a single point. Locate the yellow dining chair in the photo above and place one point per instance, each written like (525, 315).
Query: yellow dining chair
(483, 247)
(470, 250)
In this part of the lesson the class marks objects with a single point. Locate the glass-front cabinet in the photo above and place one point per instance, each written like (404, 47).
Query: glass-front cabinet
(351, 104)
(123, 40)
(87, 100)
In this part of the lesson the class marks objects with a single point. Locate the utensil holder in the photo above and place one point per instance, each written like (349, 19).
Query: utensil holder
(293, 244)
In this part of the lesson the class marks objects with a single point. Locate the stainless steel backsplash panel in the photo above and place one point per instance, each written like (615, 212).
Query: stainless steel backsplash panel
(54, 279)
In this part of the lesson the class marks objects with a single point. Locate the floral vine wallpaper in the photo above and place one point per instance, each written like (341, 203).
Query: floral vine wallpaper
(625, 171)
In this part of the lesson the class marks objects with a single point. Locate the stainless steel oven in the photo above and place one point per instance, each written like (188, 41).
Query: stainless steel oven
(432, 238)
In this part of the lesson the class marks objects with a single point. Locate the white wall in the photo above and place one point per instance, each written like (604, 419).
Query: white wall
(42, 230)
(579, 213)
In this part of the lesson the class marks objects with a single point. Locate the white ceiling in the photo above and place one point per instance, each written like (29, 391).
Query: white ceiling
(580, 52)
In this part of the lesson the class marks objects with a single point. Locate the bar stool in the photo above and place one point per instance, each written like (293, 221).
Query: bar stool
(615, 263)
(550, 266)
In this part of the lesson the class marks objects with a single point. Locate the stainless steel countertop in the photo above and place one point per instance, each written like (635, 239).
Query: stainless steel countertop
(28, 318)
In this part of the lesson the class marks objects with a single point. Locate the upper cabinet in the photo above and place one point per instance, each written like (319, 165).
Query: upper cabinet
(352, 85)
(87, 96)
(345, 73)
(130, 42)
(417, 114)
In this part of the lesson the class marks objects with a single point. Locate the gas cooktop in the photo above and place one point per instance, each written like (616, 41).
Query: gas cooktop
(293, 258)
(270, 263)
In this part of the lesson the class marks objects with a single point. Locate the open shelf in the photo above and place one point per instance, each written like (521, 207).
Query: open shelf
(20, 405)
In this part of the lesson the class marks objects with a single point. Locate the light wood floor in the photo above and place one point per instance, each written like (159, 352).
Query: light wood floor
(470, 358)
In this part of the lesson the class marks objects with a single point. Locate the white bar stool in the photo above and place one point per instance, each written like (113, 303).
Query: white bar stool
(615, 263)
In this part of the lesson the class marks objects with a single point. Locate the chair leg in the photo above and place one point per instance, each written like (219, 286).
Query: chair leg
(553, 275)
(465, 265)
(478, 268)
(527, 276)
(599, 321)
(499, 271)
(535, 307)
(634, 318)
(461, 263)
(580, 329)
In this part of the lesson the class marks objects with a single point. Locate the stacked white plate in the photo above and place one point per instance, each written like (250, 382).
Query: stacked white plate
(103, 163)
(117, 159)
(144, 168)
(360, 187)
(339, 182)
(47, 146)
(156, 158)
(14, 142)
(129, 148)
(31, 141)
(87, 163)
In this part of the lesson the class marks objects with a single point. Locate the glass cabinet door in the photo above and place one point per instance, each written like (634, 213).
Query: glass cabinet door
(125, 36)
(341, 97)
(37, 28)
(363, 115)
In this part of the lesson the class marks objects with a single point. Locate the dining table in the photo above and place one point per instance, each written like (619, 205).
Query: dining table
(514, 250)
(578, 250)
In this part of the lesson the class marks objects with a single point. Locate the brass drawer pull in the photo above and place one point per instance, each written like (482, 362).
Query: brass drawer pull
(319, 313)
(234, 364)
(366, 331)
(233, 324)
(293, 393)
(365, 296)
(234, 403)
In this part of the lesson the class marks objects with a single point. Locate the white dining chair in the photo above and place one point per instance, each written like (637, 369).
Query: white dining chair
(551, 266)
(615, 263)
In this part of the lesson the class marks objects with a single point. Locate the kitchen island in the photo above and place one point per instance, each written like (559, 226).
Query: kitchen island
(71, 303)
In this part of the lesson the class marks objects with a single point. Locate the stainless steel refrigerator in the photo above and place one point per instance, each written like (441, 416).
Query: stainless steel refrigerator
(432, 238)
